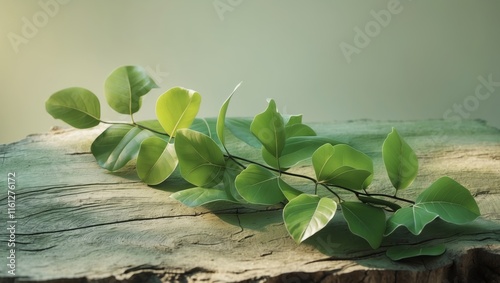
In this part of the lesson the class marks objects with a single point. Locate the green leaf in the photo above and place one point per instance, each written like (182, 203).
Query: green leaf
(76, 106)
(401, 252)
(288, 191)
(240, 128)
(177, 108)
(414, 218)
(157, 160)
(221, 119)
(330, 161)
(153, 125)
(290, 120)
(450, 200)
(258, 185)
(307, 214)
(200, 159)
(299, 130)
(297, 149)
(117, 145)
(125, 87)
(231, 171)
(200, 196)
(400, 161)
(366, 221)
(269, 129)
(205, 126)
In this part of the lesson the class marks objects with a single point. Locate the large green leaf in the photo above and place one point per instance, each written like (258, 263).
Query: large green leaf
(258, 185)
(177, 109)
(200, 196)
(400, 161)
(269, 129)
(125, 87)
(450, 200)
(221, 119)
(297, 149)
(117, 145)
(306, 214)
(76, 106)
(366, 221)
(401, 252)
(240, 128)
(414, 218)
(157, 160)
(329, 161)
(200, 159)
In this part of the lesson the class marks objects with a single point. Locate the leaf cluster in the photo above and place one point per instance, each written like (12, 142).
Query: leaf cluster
(199, 148)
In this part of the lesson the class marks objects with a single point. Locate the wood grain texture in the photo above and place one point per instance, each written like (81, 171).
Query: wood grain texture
(77, 222)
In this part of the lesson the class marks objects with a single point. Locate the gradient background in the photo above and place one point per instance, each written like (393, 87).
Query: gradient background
(426, 60)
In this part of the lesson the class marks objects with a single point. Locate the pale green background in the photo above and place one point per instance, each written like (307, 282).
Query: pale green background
(426, 59)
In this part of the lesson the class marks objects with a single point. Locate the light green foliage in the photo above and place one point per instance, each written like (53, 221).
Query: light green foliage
(400, 161)
(306, 214)
(201, 160)
(125, 87)
(198, 146)
(76, 106)
(177, 109)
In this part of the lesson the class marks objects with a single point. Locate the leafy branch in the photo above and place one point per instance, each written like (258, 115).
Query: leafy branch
(177, 139)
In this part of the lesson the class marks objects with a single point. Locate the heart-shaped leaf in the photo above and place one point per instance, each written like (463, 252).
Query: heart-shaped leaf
(76, 106)
(366, 221)
(117, 145)
(157, 160)
(306, 214)
(450, 200)
(259, 186)
(400, 161)
(269, 129)
(200, 159)
(177, 109)
(327, 159)
(125, 87)
(414, 218)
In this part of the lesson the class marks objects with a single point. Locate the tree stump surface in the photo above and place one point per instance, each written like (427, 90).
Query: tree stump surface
(76, 222)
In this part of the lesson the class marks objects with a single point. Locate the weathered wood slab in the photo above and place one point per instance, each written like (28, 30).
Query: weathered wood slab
(79, 223)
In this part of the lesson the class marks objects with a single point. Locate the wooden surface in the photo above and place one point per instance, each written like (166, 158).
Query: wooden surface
(79, 223)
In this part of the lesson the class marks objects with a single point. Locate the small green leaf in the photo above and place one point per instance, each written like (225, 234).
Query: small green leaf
(377, 201)
(258, 185)
(125, 87)
(348, 177)
(366, 221)
(288, 191)
(231, 171)
(297, 149)
(330, 161)
(221, 119)
(414, 218)
(401, 252)
(206, 126)
(450, 200)
(177, 109)
(157, 160)
(306, 214)
(240, 128)
(117, 145)
(400, 161)
(200, 196)
(269, 129)
(290, 120)
(76, 106)
(200, 159)
(299, 130)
